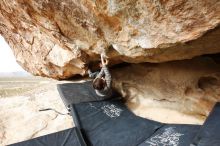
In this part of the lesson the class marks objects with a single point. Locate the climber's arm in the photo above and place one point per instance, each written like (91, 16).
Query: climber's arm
(108, 77)
(93, 74)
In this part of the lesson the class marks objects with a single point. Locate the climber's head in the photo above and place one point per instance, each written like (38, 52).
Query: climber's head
(99, 83)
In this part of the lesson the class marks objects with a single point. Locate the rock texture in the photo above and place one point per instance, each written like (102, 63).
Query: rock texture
(60, 39)
(189, 86)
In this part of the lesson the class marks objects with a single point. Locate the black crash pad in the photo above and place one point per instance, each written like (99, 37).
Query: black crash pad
(110, 122)
(68, 137)
(72, 93)
(209, 133)
(172, 135)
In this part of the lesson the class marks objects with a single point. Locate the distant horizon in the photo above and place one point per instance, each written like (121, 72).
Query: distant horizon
(8, 62)
(15, 74)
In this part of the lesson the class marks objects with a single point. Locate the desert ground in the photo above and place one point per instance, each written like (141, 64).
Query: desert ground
(22, 98)
(20, 102)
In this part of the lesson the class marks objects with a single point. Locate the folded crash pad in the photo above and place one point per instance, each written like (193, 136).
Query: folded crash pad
(172, 135)
(72, 93)
(110, 122)
(209, 133)
(68, 137)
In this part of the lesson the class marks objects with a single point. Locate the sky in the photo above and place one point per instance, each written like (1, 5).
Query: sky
(7, 59)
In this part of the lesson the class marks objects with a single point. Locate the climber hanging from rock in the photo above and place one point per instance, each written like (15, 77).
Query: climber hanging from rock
(102, 80)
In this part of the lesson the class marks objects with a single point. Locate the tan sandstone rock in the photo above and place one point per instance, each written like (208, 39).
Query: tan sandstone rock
(158, 91)
(60, 39)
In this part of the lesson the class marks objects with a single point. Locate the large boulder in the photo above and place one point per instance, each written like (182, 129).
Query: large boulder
(154, 90)
(60, 38)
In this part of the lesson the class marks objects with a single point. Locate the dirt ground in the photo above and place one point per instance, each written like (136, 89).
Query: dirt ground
(20, 102)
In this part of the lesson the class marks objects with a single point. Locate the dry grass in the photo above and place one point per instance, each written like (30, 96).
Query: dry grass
(14, 86)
